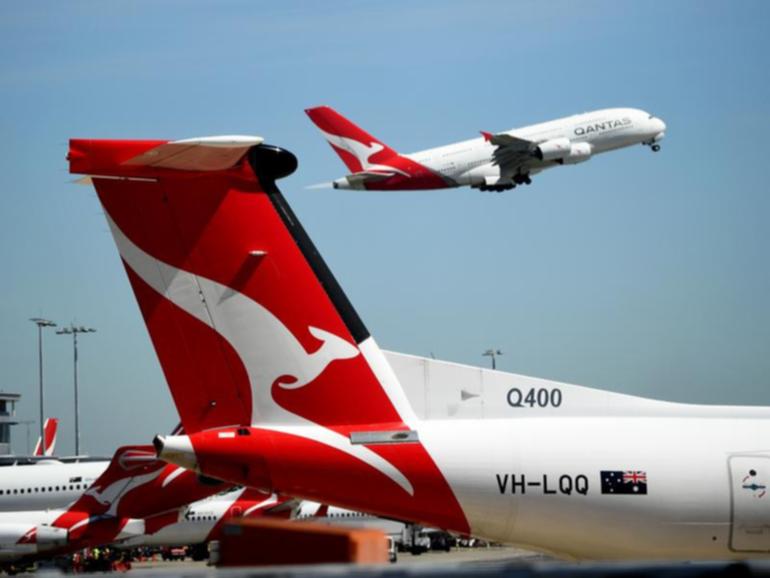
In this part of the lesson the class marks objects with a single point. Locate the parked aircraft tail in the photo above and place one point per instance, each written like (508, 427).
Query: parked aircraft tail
(258, 342)
(50, 428)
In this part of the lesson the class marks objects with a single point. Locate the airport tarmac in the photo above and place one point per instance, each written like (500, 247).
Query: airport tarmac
(492, 562)
(471, 556)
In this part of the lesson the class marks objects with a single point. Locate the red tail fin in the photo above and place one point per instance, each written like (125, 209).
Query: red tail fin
(242, 310)
(251, 327)
(357, 148)
(50, 428)
(136, 484)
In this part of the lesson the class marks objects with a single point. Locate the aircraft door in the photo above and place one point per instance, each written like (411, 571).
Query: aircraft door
(750, 491)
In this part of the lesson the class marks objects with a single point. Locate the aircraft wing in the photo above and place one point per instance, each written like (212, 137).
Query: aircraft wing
(512, 152)
(505, 140)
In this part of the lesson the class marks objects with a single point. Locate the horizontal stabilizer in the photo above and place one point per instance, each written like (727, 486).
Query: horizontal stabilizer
(214, 153)
(369, 176)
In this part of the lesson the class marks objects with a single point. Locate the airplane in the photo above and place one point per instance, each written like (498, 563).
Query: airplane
(492, 162)
(279, 385)
(138, 498)
(204, 520)
(50, 427)
(41, 482)
(38, 483)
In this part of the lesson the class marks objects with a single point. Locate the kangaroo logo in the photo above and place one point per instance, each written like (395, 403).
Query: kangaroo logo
(362, 152)
(270, 352)
(112, 494)
(130, 460)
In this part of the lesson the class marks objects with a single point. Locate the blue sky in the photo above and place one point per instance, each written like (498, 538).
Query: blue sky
(637, 272)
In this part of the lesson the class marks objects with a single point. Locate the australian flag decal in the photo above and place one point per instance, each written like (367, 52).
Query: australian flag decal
(620, 482)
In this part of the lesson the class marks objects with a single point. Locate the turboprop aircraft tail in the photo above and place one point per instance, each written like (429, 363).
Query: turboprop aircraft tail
(265, 357)
(249, 324)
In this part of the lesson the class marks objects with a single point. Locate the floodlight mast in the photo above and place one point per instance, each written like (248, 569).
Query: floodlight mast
(74, 330)
(493, 353)
(41, 323)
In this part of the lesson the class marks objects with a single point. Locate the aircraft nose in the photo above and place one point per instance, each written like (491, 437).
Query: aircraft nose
(658, 125)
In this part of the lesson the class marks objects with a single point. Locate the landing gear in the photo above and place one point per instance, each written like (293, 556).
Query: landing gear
(655, 148)
(496, 188)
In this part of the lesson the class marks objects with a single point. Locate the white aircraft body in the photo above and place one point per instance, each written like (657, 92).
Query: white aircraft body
(332, 515)
(29, 484)
(202, 521)
(297, 396)
(495, 162)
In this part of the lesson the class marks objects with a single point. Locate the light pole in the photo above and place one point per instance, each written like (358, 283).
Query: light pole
(41, 323)
(493, 353)
(74, 330)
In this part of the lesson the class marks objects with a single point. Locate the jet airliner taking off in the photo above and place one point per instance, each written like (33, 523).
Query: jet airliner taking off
(280, 386)
(492, 162)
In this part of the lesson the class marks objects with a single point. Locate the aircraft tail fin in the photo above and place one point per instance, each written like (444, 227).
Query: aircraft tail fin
(136, 484)
(265, 356)
(249, 324)
(357, 148)
(50, 429)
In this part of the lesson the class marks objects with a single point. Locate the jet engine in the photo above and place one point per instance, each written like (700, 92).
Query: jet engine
(578, 153)
(18, 540)
(553, 150)
(49, 537)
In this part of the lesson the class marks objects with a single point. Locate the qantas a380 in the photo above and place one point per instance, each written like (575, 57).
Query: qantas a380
(281, 387)
(496, 162)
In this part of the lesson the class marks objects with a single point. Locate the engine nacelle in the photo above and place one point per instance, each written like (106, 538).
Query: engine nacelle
(480, 175)
(553, 150)
(17, 540)
(579, 152)
(49, 537)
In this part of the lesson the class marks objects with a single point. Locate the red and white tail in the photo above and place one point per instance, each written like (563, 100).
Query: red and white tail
(244, 314)
(252, 329)
(358, 149)
(137, 484)
(50, 429)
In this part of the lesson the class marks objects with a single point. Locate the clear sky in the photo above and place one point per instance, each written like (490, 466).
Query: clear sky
(637, 272)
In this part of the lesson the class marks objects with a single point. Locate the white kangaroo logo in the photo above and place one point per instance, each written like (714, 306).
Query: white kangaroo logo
(114, 493)
(362, 152)
(269, 351)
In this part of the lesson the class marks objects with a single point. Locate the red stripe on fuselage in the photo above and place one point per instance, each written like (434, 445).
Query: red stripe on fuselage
(308, 469)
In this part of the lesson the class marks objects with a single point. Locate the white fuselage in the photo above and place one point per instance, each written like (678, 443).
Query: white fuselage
(524, 457)
(334, 516)
(46, 484)
(537, 482)
(197, 522)
(472, 161)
